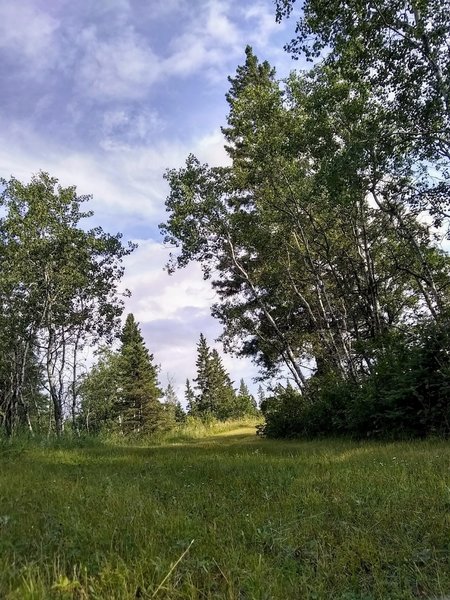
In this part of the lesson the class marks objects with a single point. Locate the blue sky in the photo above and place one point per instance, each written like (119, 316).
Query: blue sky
(107, 94)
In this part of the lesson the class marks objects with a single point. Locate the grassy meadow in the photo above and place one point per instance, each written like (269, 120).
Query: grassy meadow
(223, 514)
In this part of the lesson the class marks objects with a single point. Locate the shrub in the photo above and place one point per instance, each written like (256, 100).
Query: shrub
(407, 393)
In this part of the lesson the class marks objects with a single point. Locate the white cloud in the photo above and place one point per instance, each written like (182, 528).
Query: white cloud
(30, 34)
(126, 181)
(126, 126)
(262, 21)
(122, 67)
(172, 311)
(211, 42)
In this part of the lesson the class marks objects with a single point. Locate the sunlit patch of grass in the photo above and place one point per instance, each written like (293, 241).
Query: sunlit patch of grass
(225, 517)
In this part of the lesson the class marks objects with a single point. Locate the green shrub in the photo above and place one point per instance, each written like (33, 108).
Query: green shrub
(407, 393)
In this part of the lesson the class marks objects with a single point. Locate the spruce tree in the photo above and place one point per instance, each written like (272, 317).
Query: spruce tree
(245, 402)
(138, 407)
(173, 406)
(223, 397)
(203, 401)
(261, 395)
(216, 396)
(191, 401)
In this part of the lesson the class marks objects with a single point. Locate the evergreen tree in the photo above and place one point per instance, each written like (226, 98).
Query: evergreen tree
(222, 394)
(261, 395)
(203, 400)
(138, 408)
(216, 395)
(245, 402)
(173, 406)
(191, 401)
(99, 393)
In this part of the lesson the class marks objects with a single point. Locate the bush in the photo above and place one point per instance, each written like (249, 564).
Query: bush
(407, 393)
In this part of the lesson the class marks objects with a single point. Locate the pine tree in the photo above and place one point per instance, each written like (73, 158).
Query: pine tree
(245, 402)
(138, 407)
(173, 406)
(222, 394)
(203, 400)
(261, 395)
(216, 396)
(191, 401)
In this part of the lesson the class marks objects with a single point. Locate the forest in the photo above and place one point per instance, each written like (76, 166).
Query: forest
(325, 239)
(324, 234)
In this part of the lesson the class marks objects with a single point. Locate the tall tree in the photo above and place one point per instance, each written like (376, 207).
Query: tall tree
(400, 51)
(245, 401)
(138, 408)
(58, 287)
(173, 406)
(204, 396)
(216, 396)
(189, 396)
(99, 393)
(314, 254)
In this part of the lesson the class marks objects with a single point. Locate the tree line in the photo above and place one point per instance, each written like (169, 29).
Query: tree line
(121, 392)
(323, 237)
(60, 300)
(59, 295)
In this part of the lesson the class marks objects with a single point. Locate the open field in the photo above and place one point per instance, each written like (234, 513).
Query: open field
(225, 517)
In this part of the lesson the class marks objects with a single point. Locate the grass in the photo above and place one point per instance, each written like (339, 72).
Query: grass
(225, 516)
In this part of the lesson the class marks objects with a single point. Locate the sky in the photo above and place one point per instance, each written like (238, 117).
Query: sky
(108, 94)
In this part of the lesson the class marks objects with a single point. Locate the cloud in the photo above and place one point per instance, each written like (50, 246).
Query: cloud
(129, 126)
(122, 67)
(172, 311)
(262, 23)
(107, 96)
(28, 35)
(209, 44)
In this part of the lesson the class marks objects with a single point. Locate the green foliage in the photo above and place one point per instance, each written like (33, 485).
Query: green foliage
(58, 290)
(311, 236)
(216, 397)
(245, 402)
(407, 394)
(138, 408)
(269, 519)
(99, 393)
(314, 235)
(173, 408)
(121, 391)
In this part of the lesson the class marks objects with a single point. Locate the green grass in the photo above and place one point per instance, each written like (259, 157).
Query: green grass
(227, 516)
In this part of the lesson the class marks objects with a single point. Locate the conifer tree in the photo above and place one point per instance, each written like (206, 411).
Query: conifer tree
(216, 395)
(138, 407)
(173, 406)
(245, 402)
(261, 395)
(222, 394)
(189, 396)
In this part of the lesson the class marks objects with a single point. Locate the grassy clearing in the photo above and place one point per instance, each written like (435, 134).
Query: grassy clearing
(225, 517)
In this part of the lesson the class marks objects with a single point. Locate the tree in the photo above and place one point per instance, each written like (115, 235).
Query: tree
(222, 394)
(189, 396)
(203, 400)
(58, 288)
(99, 393)
(400, 51)
(310, 244)
(245, 402)
(261, 396)
(216, 396)
(138, 408)
(173, 405)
